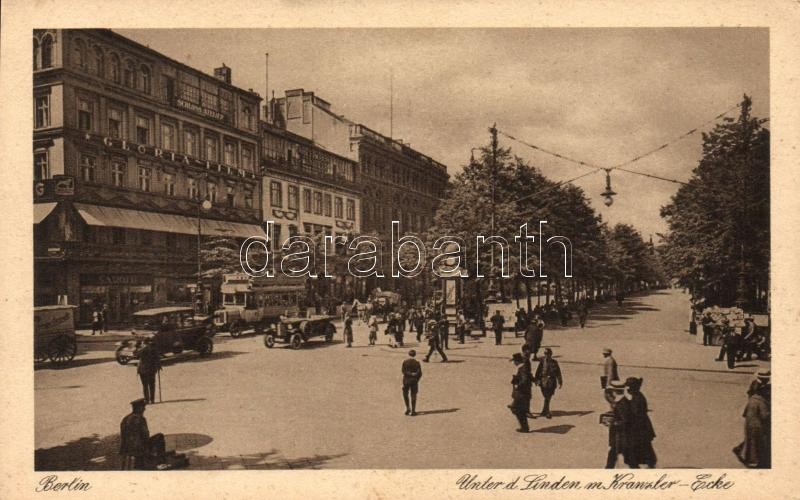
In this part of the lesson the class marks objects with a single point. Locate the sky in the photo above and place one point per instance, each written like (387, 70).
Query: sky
(601, 95)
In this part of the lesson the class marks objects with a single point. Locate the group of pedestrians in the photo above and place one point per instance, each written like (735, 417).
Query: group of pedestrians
(738, 343)
(99, 319)
(547, 377)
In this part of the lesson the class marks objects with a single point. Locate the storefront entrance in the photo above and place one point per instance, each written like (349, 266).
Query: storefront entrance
(117, 295)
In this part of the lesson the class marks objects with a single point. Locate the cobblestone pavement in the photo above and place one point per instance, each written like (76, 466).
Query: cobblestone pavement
(329, 406)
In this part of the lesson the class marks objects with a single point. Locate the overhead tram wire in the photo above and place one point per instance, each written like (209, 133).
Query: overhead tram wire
(596, 168)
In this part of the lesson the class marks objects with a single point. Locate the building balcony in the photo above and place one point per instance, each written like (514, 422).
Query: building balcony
(309, 171)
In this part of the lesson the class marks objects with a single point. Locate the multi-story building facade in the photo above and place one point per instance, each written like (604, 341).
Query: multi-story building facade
(127, 143)
(396, 181)
(306, 189)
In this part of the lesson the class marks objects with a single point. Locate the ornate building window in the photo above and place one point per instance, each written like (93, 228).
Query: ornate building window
(193, 191)
(317, 203)
(351, 210)
(190, 142)
(327, 205)
(47, 51)
(41, 165)
(42, 112)
(144, 178)
(276, 194)
(169, 184)
(168, 137)
(115, 123)
(118, 172)
(142, 130)
(88, 168)
(129, 75)
(79, 54)
(147, 81)
(293, 195)
(230, 154)
(114, 69)
(99, 62)
(212, 191)
(307, 200)
(338, 208)
(84, 115)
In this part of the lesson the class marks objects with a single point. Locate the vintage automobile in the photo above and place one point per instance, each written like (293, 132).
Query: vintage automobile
(296, 331)
(172, 330)
(54, 334)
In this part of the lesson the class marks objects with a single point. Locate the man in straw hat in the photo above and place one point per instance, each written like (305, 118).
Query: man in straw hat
(755, 451)
(618, 426)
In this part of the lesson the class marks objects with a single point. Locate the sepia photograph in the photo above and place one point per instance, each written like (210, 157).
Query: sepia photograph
(406, 248)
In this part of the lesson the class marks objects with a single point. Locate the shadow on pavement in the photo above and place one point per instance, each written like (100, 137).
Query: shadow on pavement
(436, 412)
(555, 429)
(258, 461)
(75, 363)
(558, 413)
(96, 453)
(193, 357)
(187, 400)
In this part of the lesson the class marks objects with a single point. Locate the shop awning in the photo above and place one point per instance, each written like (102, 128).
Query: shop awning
(96, 215)
(42, 210)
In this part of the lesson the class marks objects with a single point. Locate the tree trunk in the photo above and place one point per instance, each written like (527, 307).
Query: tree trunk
(528, 294)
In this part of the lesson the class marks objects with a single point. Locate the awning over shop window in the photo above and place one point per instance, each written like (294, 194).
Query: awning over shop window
(96, 215)
(42, 210)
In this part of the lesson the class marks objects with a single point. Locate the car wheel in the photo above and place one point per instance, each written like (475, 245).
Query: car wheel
(205, 346)
(330, 330)
(121, 358)
(40, 355)
(235, 330)
(62, 349)
(296, 341)
(269, 341)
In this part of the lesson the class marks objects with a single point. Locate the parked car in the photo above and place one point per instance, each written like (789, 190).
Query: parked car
(172, 329)
(297, 331)
(54, 334)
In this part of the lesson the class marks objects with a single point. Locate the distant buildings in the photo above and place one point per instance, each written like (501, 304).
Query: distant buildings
(126, 144)
(396, 181)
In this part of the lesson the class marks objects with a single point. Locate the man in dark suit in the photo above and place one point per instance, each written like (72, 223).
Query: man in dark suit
(149, 366)
(444, 332)
(412, 372)
(497, 325)
(548, 374)
(137, 448)
(521, 393)
(533, 335)
(434, 341)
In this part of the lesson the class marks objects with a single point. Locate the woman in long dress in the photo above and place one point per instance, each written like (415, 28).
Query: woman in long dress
(754, 451)
(640, 430)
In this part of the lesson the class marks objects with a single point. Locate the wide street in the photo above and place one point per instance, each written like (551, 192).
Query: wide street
(327, 406)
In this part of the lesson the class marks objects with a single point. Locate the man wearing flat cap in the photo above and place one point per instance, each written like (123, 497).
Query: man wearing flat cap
(521, 394)
(137, 448)
(548, 375)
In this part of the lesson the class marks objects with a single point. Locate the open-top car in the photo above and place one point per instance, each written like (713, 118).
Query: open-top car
(172, 330)
(296, 331)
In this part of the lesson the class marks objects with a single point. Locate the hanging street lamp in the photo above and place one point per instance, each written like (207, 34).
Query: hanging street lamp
(609, 193)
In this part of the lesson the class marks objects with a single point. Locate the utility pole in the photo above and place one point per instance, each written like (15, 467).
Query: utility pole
(266, 85)
(391, 103)
(493, 132)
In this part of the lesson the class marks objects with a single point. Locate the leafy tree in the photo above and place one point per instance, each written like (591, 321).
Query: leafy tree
(719, 221)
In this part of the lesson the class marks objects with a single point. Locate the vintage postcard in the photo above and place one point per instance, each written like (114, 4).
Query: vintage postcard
(366, 251)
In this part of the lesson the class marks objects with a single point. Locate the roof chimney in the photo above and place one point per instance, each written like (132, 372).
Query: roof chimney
(223, 73)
